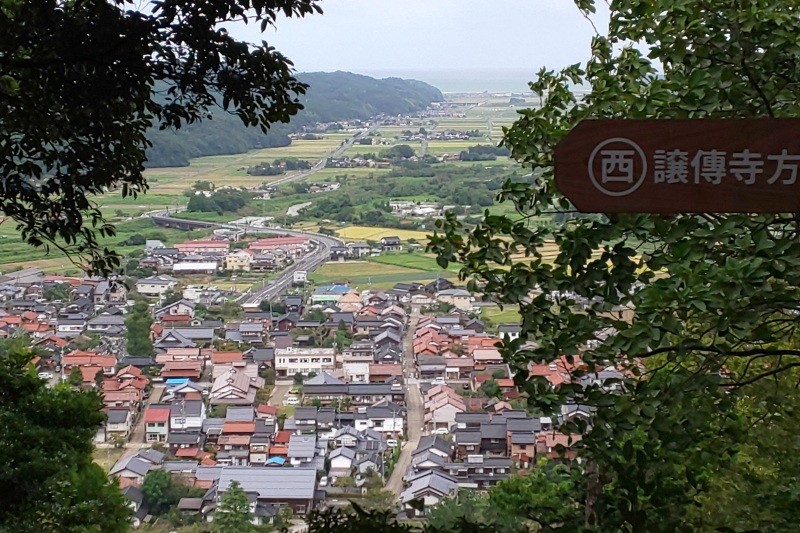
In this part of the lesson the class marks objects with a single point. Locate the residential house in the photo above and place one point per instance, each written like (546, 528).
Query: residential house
(132, 470)
(291, 487)
(391, 244)
(342, 461)
(156, 286)
(135, 499)
(182, 307)
(478, 472)
(426, 490)
(239, 260)
(107, 326)
(458, 298)
(358, 249)
(235, 387)
(67, 327)
(302, 449)
(187, 415)
(156, 423)
(118, 424)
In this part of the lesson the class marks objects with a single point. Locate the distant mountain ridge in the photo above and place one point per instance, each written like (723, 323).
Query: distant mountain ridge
(331, 97)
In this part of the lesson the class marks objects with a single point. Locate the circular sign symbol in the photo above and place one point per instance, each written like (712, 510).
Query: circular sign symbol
(622, 166)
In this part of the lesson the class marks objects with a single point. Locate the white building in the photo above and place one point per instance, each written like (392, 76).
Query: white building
(356, 372)
(156, 286)
(290, 361)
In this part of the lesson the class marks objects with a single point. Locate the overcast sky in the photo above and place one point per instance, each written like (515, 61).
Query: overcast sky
(380, 36)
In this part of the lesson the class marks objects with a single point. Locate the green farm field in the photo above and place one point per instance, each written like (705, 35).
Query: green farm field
(370, 274)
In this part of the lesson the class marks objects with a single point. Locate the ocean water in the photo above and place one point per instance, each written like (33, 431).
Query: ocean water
(464, 81)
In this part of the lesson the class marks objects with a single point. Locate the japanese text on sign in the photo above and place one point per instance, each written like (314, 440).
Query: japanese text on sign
(623, 162)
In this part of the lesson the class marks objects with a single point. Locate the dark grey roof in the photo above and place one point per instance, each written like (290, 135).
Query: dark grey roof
(264, 428)
(427, 456)
(303, 446)
(464, 436)
(305, 413)
(263, 354)
(133, 494)
(149, 454)
(179, 466)
(372, 388)
(431, 360)
(179, 437)
(240, 414)
(472, 418)
(344, 452)
(117, 416)
(107, 320)
(135, 464)
(137, 361)
(523, 424)
(213, 423)
(271, 483)
(523, 438)
(433, 442)
(326, 415)
(186, 408)
(493, 431)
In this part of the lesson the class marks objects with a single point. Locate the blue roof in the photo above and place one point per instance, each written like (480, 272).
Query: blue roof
(177, 381)
(276, 461)
(332, 289)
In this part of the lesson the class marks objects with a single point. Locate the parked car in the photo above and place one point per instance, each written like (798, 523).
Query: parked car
(323, 482)
(45, 375)
(392, 443)
(292, 400)
(440, 431)
(438, 381)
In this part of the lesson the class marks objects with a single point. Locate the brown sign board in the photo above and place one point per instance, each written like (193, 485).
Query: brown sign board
(681, 166)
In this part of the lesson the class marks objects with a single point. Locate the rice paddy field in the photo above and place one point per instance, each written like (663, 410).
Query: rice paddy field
(367, 233)
(375, 275)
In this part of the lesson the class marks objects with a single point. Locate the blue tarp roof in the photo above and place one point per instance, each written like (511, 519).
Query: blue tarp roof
(177, 381)
(276, 461)
(332, 289)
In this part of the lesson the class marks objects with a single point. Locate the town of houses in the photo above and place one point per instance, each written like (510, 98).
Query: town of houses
(355, 372)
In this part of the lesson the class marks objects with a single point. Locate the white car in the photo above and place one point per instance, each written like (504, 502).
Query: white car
(323, 482)
(291, 400)
(440, 431)
(438, 381)
(45, 375)
(392, 443)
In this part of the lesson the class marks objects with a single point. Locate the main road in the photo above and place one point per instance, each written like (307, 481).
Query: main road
(324, 161)
(272, 288)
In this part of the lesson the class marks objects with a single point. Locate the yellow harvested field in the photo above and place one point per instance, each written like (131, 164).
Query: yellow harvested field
(364, 233)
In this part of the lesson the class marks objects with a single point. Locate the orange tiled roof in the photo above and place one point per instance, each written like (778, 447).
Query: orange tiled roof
(238, 427)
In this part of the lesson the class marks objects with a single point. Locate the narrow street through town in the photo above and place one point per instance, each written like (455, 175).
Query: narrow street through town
(137, 439)
(414, 411)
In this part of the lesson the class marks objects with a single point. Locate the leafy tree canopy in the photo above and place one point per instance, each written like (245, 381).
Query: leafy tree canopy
(50, 482)
(233, 512)
(81, 83)
(694, 312)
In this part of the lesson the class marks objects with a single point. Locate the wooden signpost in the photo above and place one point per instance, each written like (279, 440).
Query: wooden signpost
(681, 166)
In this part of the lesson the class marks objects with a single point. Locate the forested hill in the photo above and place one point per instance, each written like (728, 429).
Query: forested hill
(331, 96)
